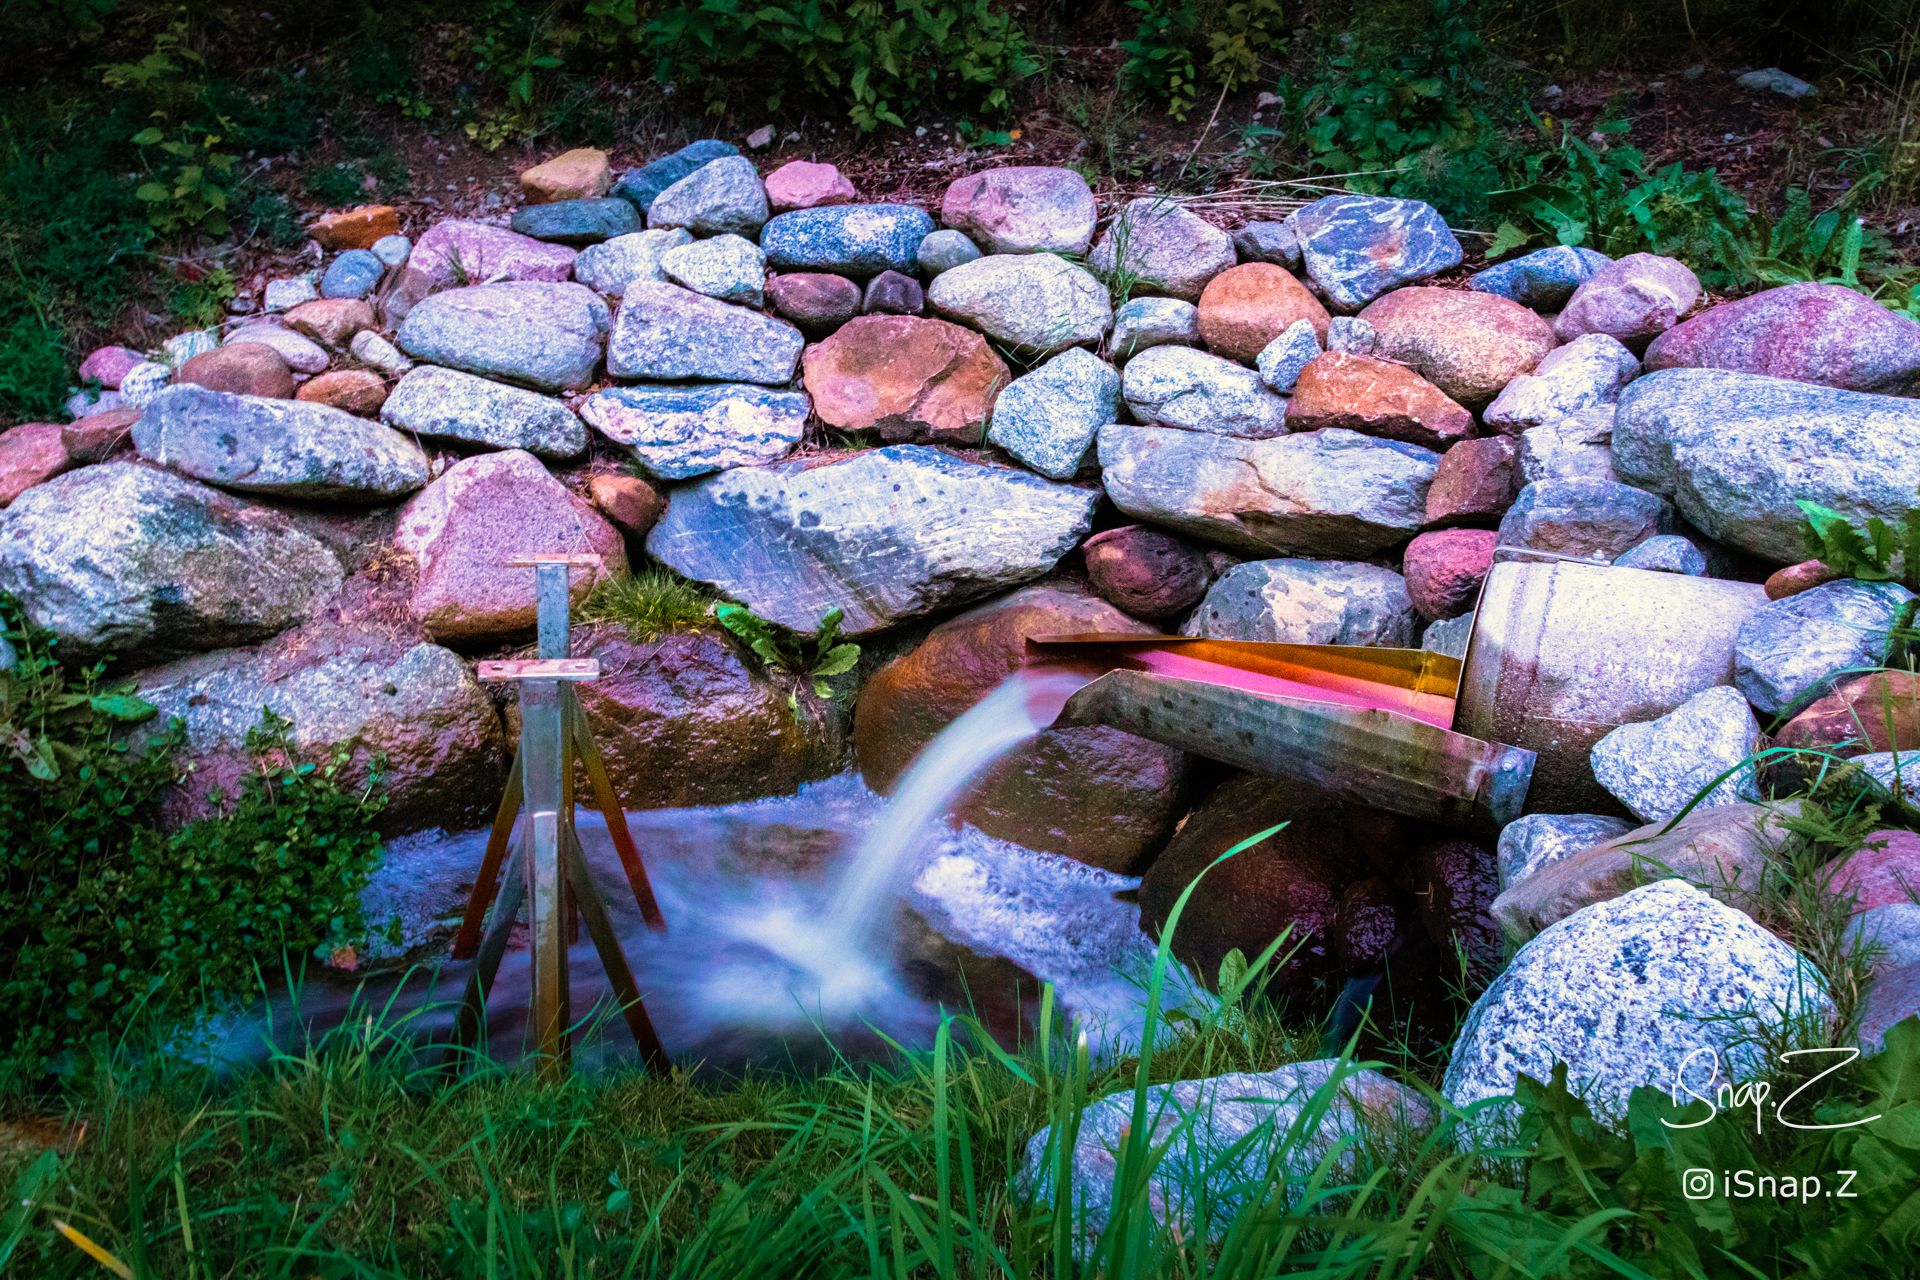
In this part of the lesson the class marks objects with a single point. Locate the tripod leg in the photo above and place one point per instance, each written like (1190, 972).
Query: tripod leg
(473, 1005)
(614, 960)
(483, 884)
(603, 795)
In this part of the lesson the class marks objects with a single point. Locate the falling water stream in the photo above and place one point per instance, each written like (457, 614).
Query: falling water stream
(830, 916)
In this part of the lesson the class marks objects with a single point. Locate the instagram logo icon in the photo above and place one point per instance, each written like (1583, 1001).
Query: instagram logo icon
(1697, 1184)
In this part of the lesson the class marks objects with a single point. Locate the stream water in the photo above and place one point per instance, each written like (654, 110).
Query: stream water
(828, 921)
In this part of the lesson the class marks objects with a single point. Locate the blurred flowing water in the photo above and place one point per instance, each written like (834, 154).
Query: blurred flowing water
(829, 922)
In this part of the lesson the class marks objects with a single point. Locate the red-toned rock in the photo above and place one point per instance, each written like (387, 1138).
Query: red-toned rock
(1633, 299)
(1296, 879)
(1376, 397)
(683, 719)
(804, 184)
(1475, 482)
(107, 365)
(30, 454)
(908, 377)
(1874, 711)
(1093, 793)
(332, 321)
(99, 436)
(1148, 573)
(628, 501)
(1825, 333)
(359, 391)
(244, 368)
(463, 528)
(1884, 869)
(355, 228)
(1455, 882)
(816, 303)
(1245, 307)
(1444, 569)
(1795, 578)
(1468, 344)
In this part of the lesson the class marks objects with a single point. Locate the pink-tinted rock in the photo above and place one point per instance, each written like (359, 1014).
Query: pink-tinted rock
(1444, 570)
(909, 378)
(1246, 307)
(244, 368)
(804, 184)
(1475, 482)
(1825, 333)
(330, 321)
(461, 252)
(463, 528)
(1634, 299)
(1375, 397)
(1022, 209)
(814, 302)
(1795, 578)
(1149, 574)
(107, 365)
(628, 501)
(1869, 712)
(1456, 882)
(1091, 792)
(891, 293)
(30, 454)
(360, 391)
(355, 228)
(1885, 868)
(98, 436)
(1468, 344)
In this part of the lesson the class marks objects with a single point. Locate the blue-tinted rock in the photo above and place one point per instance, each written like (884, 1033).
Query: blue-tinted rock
(1306, 602)
(946, 249)
(1198, 391)
(1358, 247)
(1282, 361)
(677, 433)
(1540, 839)
(1543, 279)
(544, 335)
(649, 180)
(858, 240)
(354, 274)
(587, 221)
(668, 334)
(1352, 335)
(610, 265)
(1152, 322)
(392, 250)
(728, 267)
(1666, 553)
(450, 405)
(1587, 519)
(1268, 242)
(1736, 451)
(1790, 651)
(721, 198)
(1659, 767)
(1033, 302)
(1048, 418)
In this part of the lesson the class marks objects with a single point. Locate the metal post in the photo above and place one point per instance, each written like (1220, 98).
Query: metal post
(544, 757)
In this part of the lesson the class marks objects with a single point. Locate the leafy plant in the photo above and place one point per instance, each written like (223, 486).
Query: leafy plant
(1160, 56)
(1879, 553)
(814, 659)
(200, 300)
(181, 150)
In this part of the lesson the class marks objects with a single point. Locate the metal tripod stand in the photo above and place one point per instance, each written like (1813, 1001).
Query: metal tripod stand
(546, 865)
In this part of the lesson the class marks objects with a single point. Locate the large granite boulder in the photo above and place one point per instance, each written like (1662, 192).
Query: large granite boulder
(1659, 985)
(413, 710)
(1023, 209)
(128, 559)
(1182, 387)
(1357, 247)
(1033, 303)
(543, 335)
(1470, 345)
(884, 535)
(858, 240)
(671, 334)
(1319, 493)
(450, 405)
(1163, 247)
(289, 448)
(677, 433)
(1306, 602)
(907, 377)
(1091, 792)
(1825, 333)
(685, 719)
(463, 528)
(1791, 651)
(1736, 451)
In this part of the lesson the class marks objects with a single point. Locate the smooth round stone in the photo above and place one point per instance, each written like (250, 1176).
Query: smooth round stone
(813, 301)
(891, 293)
(393, 250)
(577, 221)
(859, 240)
(1023, 209)
(1032, 302)
(946, 249)
(354, 274)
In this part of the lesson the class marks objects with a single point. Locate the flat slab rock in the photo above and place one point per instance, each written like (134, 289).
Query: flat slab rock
(885, 535)
(543, 335)
(1328, 493)
(132, 560)
(1625, 992)
(1306, 602)
(447, 404)
(669, 334)
(677, 433)
(290, 448)
(1736, 450)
